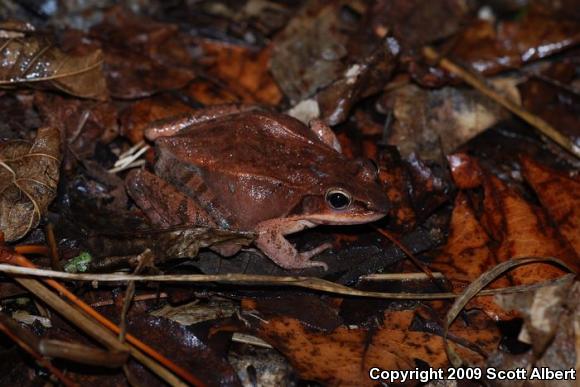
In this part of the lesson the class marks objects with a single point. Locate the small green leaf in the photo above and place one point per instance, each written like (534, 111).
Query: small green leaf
(79, 264)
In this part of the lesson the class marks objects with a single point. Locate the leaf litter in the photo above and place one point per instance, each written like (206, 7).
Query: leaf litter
(474, 191)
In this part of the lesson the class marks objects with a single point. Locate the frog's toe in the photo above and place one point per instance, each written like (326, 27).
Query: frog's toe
(308, 264)
(305, 257)
(315, 251)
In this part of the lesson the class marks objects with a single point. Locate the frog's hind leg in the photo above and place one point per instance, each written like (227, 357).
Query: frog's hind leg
(325, 134)
(166, 206)
(163, 204)
(271, 241)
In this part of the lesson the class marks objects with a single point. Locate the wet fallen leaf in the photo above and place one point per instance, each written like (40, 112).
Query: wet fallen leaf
(361, 79)
(524, 231)
(519, 228)
(132, 75)
(415, 22)
(510, 44)
(84, 124)
(183, 346)
(430, 122)
(559, 193)
(29, 175)
(142, 57)
(142, 113)
(550, 94)
(309, 53)
(210, 92)
(468, 254)
(394, 176)
(244, 70)
(34, 61)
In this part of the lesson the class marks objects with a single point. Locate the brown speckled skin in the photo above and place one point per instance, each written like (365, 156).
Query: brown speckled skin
(261, 171)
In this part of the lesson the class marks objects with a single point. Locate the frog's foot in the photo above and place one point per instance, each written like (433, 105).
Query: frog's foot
(271, 241)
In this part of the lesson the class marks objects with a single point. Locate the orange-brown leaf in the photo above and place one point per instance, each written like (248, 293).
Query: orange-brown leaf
(560, 196)
(344, 356)
(526, 232)
(246, 71)
(467, 255)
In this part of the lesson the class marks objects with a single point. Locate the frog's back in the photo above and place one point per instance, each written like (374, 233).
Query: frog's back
(255, 144)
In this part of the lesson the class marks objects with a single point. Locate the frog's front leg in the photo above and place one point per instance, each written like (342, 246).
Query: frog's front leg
(271, 241)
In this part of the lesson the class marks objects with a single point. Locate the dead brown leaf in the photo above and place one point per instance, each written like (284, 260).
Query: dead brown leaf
(309, 53)
(142, 56)
(35, 62)
(511, 44)
(29, 175)
(83, 124)
(560, 196)
(428, 120)
(468, 254)
(415, 22)
(518, 227)
(244, 70)
(343, 356)
(524, 231)
(139, 115)
(550, 94)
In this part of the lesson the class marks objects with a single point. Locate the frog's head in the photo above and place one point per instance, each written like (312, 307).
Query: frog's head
(352, 196)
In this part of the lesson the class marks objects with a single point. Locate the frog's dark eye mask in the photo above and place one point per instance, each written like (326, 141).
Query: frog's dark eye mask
(338, 199)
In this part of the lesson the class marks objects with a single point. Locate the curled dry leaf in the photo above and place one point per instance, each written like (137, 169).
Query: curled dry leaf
(28, 179)
(36, 62)
(551, 320)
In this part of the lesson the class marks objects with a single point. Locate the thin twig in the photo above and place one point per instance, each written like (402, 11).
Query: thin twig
(156, 362)
(474, 290)
(407, 252)
(32, 249)
(473, 80)
(53, 247)
(14, 331)
(270, 280)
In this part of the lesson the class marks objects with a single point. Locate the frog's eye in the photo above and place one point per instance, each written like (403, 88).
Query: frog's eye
(338, 199)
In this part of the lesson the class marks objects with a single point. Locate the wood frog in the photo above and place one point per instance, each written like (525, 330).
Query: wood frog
(238, 168)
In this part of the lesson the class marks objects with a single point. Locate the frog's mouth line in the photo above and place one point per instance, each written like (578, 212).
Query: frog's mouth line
(338, 219)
